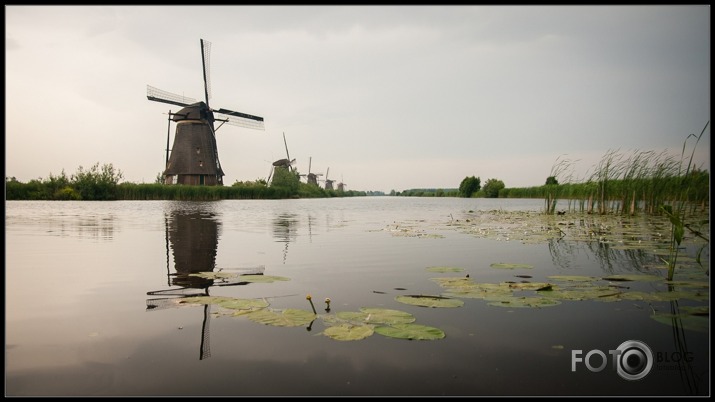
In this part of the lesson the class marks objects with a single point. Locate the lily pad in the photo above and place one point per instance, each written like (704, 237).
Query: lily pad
(686, 321)
(502, 265)
(452, 282)
(286, 318)
(633, 277)
(377, 316)
(214, 275)
(242, 278)
(529, 302)
(666, 296)
(486, 291)
(695, 310)
(573, 278)
(243, 304)
(262, 278)
(598, 293)
(429, 301)
(445, 269)
(347, 332)
(538, 286)
(411, 332)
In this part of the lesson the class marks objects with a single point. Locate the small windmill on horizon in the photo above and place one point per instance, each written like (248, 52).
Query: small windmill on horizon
(341, 185)
(286, 163)
(328, 182)
(311, 178)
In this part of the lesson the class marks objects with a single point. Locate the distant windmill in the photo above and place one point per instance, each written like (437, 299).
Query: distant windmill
(328, 182)
(282, 163)
(341, 185)
(194, 155)
(311, 178)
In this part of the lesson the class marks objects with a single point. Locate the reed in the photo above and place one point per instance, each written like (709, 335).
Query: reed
(676, 212)
(555, 184)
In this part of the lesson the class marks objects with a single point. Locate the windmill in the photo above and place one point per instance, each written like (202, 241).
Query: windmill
(282, 163)
(341, 185)
(328, 182)
(311, 178)
(194, 154)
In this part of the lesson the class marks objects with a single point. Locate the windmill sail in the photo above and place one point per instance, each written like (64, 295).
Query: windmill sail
(159, 95)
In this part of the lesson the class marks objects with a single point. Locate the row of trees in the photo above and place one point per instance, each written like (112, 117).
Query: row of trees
(103, 183)
(96, 183)
(472, 187)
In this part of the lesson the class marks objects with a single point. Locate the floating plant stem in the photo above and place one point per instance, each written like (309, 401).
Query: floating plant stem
(310, 299)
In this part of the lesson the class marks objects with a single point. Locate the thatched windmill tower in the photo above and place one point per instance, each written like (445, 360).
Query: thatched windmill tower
(286, 163)
(311, 178)
(341, 185)
(328, 182)
(194, 155)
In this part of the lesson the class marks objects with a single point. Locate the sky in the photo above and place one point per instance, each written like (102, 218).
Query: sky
(379, 97)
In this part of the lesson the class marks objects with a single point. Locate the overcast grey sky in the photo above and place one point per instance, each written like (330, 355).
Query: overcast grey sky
(385, 97)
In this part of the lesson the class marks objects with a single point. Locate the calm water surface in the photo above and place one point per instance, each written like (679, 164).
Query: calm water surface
(89, 290)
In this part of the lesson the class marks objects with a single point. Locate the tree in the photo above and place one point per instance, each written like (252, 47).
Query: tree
(97, 183)
(551, 180)
(286, 180)
(492, 188)
(469, 186)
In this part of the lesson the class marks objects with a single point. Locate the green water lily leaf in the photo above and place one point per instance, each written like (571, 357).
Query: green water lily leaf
(528, 302)
(377, 316)
(200, 300)
(665, 296)
(411, 332)
(472, 290)
(452, 282)
(503, 265)
(347, 332)
(232, 303)
(243, 278)
(262, 278)
(597, 293)
(689, 284)
(633, 277)
(429, 301)
(445, 269)
(243, 304)
(286, 318)
(695, 310)
(689, 322)
(573, 278)
(538, 286)
(214, 275)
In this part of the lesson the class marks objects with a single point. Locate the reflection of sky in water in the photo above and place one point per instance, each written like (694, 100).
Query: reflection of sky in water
(76, 320)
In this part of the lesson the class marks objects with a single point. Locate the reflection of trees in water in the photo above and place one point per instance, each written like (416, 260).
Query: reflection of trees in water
(604, 255)
(80, 225)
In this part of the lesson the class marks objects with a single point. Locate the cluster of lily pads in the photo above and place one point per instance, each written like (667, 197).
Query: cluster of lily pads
(342, 326)
(645, 234)
(357, 325)
(570, 287)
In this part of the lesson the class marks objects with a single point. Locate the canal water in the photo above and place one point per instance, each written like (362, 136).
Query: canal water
(94, 290)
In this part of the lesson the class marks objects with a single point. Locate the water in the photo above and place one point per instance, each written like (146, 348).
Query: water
(88, 303)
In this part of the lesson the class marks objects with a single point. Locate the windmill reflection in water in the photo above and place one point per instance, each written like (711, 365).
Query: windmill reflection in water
(192, 237)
